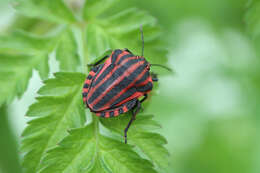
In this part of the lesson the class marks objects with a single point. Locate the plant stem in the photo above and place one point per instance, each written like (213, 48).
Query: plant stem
(85, 58)
(86, 70)
(96, 126)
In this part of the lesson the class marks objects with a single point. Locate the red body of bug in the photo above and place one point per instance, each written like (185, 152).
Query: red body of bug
(113, 88)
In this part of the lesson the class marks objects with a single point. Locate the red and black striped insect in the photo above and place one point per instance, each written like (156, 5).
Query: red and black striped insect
(115, 86)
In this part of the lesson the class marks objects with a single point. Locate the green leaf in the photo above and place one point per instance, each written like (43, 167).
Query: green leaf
(32, 25)
(86, 150)
(20, 53)
(51, 10)
(15, 72)
(43, 67)
(122, 30)
(67, 51)
(252, 18)
(58, 109)
(47, 146)
(151, 144)
(24, 42)
(93, 8)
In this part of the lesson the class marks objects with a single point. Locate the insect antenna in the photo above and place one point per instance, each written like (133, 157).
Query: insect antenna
(142, 38)
(159, 65)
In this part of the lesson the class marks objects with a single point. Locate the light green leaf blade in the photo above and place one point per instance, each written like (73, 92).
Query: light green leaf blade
(20, 53)
(93, 8)
(67, 51)
(122, 30)
(24, 42)
(58, 109)
(32, 25)
(139, 134)
(43, 67)
(16, 71)
(51, 10)
(85, 150)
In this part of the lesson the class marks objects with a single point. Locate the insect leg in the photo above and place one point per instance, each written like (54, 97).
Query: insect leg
(128, 50)
(134, 112)
(98, 62)
(154, 77)
(143, 99)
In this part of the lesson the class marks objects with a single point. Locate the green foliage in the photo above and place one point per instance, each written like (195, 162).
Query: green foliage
(100, 32)
(86, 150)
(54, 11)
(93, 8)
(151, 144)
(49, 144)
(15, 72)
(67, 51)
(24, 42)
(122, 30)
(20, 53)
(252, 18)
(58, 109)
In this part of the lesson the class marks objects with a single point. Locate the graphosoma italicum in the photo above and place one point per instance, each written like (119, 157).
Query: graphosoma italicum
(115, 86)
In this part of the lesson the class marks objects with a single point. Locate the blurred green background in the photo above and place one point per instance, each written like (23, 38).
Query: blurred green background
(208, 110)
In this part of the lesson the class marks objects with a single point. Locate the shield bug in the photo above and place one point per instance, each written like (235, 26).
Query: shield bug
(115, 86)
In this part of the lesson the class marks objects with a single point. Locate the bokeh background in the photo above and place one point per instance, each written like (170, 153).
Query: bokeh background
(209, 109)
